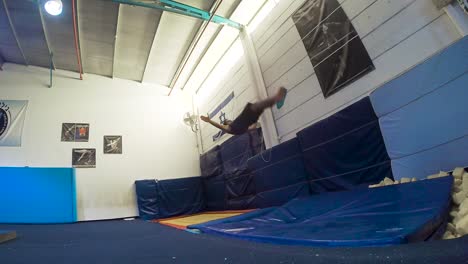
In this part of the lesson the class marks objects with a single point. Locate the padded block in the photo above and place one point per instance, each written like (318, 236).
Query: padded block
(408, 130)
(444, 157)
(235, 146)
(353, 180)
(147, 199)
(280, 196)
(180, 196)
(241, 203)
(422, 79)
(344, 121)
(211, 163)
(353, 152)
(239, 183)
(280, 166)
(214, 189)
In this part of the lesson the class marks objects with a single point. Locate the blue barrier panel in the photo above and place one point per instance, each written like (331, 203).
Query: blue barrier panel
(280, 196)
(182, 196)
(168, 198)
(147, 199)
(441, 158)
(345, 149)
(278, 167)
(239, 183)
(348, 119)
(390, 215)
(37, 195)
(434, 119)
(214, 189)
(211, 163)
(424, 78)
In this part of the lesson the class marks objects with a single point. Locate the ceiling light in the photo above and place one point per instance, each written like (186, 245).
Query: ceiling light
(54, 7)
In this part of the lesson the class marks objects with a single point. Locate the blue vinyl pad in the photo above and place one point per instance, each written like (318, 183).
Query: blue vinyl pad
(389, 215)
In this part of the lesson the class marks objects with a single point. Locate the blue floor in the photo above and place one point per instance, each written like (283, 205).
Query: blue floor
(142, 242)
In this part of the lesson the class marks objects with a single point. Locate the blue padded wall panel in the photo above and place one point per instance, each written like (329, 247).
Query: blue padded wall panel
(214, 189)
(277, 153)
(344, 121)
(235, 147)
(241, 203)
(211, 162)
(434, 119)
(239, 183)
(37, 195)
(280, 166)
(180, 196)
(331, 164)
(280, 196)
(147, 199)
(441, 158)
(422, 79)
(353, 180)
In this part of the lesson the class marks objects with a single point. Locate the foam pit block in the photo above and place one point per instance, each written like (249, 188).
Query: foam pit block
(458, 173)
(458, 197)
(464, 184)
(462, 226)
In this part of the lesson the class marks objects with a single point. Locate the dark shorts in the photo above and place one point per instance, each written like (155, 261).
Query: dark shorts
(248, 117)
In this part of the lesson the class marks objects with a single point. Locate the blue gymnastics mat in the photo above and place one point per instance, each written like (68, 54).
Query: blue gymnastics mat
(390, 215)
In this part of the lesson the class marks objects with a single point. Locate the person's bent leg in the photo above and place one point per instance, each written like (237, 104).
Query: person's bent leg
(269, 102)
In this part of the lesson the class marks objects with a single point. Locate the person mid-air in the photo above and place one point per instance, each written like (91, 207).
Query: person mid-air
(250, 115)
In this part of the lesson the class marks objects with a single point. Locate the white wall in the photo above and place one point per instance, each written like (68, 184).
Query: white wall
(398, 35)
(156, 144)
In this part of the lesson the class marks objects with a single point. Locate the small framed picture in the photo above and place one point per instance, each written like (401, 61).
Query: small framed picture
(82, 133)
(72, 132)
(84, 158)
(112, 144)
(68, 132)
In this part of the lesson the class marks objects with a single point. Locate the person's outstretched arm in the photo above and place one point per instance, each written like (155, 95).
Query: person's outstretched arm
(225, 128)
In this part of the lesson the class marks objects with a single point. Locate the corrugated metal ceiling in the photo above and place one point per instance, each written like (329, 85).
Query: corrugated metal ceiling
(123, 41)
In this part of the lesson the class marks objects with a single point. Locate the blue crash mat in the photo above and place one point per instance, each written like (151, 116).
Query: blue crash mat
(390, 215)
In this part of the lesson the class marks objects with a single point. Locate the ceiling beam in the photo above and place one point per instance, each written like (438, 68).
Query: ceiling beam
(116, 38)
(151, 49)
(14, 32)
(52, 64)
(182, 9)
(192, 46)
(76, 35)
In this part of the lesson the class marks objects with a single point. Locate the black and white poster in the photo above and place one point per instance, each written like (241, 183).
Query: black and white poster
(333, 45)
(112, 144)
(84, 158)
(72, 132)
(12, 114)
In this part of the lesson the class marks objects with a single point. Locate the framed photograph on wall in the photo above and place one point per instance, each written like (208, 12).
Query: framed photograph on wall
(112, 144)
(73, 132)
(68, 132)
(82, 133)
(84, 158)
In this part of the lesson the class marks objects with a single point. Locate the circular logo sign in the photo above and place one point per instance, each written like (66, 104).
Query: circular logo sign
(3, 122)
